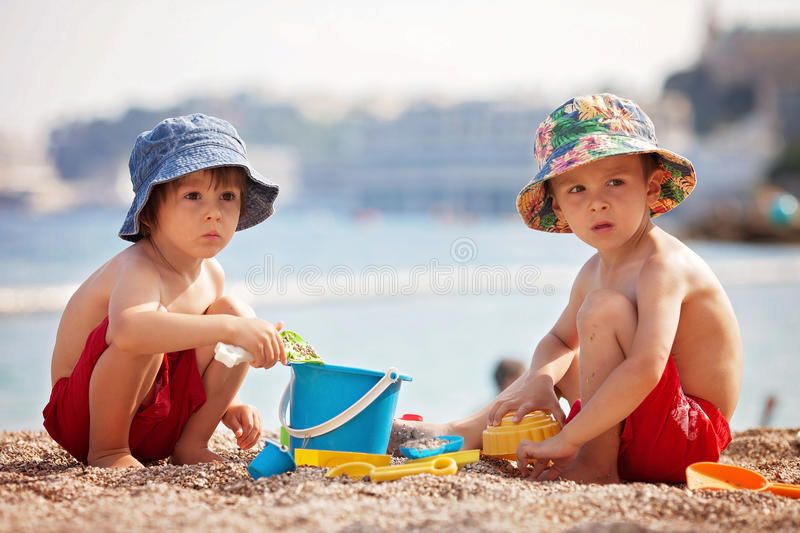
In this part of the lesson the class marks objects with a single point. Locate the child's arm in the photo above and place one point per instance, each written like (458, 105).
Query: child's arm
(550, 362)
(660, 294)
(136, 325)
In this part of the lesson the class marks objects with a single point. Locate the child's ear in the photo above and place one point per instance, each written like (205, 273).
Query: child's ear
(654, 187)
(555, 206)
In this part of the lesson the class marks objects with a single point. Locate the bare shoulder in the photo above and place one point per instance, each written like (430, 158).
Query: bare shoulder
(676, 256)
(89, 306)
(94, 293)
(585, 277)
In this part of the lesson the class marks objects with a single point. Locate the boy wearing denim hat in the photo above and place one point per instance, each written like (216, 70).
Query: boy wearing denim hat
(648, 350)
(133, 370)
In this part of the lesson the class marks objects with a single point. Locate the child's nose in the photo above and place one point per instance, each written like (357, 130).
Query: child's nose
(214, 212)
(598, 204)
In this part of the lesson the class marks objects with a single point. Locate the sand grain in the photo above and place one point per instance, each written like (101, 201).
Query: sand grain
(43, 489)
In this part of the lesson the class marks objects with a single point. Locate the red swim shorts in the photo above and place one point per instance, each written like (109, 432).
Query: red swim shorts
(667, 432)
(155, 428)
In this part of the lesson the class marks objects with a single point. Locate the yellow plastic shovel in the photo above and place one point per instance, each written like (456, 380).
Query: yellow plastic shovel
(716, 476)
(441, 466)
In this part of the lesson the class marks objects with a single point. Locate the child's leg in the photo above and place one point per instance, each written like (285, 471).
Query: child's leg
(606, 325)
(221, 385)
(471, 427)
(119, 384)
(569, 387)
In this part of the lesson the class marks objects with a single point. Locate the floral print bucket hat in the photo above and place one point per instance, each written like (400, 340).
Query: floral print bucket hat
(588, 128)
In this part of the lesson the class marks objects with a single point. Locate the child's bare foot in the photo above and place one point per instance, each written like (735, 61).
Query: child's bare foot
(192, 455)
(114, 459)
(588, 473)
(403, 430)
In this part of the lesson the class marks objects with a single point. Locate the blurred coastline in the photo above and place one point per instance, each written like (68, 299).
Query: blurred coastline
(735, 114)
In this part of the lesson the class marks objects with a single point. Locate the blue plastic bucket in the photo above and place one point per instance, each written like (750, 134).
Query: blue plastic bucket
(352, 409)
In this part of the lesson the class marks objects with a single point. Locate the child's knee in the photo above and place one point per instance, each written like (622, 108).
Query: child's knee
(130, 371)
(605, 306)
(229, 305)
(138, 360)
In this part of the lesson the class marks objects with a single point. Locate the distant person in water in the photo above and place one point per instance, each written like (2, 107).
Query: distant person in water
(647, 351)
(769, 410)
(506, 372)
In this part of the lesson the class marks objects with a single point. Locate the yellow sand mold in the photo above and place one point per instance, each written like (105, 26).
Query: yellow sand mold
(502, 441)
(327, 458)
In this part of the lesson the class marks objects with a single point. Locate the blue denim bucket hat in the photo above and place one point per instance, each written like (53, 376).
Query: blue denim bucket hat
(180, 145)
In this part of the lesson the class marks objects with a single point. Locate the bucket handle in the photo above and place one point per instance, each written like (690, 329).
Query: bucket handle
(392, 375)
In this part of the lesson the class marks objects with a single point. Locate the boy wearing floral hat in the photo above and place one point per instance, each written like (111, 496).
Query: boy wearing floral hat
(648, 350)
(133, 370)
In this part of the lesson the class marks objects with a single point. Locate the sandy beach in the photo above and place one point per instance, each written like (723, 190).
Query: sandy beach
(43, 489)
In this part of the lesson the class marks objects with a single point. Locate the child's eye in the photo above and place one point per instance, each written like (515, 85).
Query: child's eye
(576, 188)
(616, 182)
(192, 195)
(229, 196)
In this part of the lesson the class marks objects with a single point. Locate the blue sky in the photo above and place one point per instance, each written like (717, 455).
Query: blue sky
(81, 58)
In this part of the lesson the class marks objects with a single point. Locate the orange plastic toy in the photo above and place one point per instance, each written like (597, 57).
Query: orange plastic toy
(716, 476)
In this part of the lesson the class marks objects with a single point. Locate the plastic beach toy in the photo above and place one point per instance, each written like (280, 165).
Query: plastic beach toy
(230, 355)
(327, 458)
(340, 408)
(449, 443)
(463, 457)
(273, 460)
(502, 441)
(440, 466)
(297, 351)
(716, 476)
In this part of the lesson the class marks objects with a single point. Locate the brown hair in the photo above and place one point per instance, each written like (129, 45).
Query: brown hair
(650, 163)
(221, 177)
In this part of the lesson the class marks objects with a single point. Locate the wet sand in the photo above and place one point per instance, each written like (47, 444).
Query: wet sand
(43, 489)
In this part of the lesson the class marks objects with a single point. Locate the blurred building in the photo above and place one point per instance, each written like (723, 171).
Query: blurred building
(28, 180)
(470, 158)
(731, 113)
(742, 72)
(744, 95)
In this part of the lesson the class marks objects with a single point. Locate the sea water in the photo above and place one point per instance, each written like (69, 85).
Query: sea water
(442, 300)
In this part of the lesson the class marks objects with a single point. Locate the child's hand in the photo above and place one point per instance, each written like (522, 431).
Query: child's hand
(551, 457)
(245, 422)
(260, 338)
(524, 397)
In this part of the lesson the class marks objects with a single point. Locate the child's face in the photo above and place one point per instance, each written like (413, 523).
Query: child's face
(605, 202)
(198, 216)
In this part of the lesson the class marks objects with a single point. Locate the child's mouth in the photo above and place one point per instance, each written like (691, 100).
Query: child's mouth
(602, 227)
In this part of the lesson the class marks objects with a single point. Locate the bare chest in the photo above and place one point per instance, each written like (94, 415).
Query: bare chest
(190, 298)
